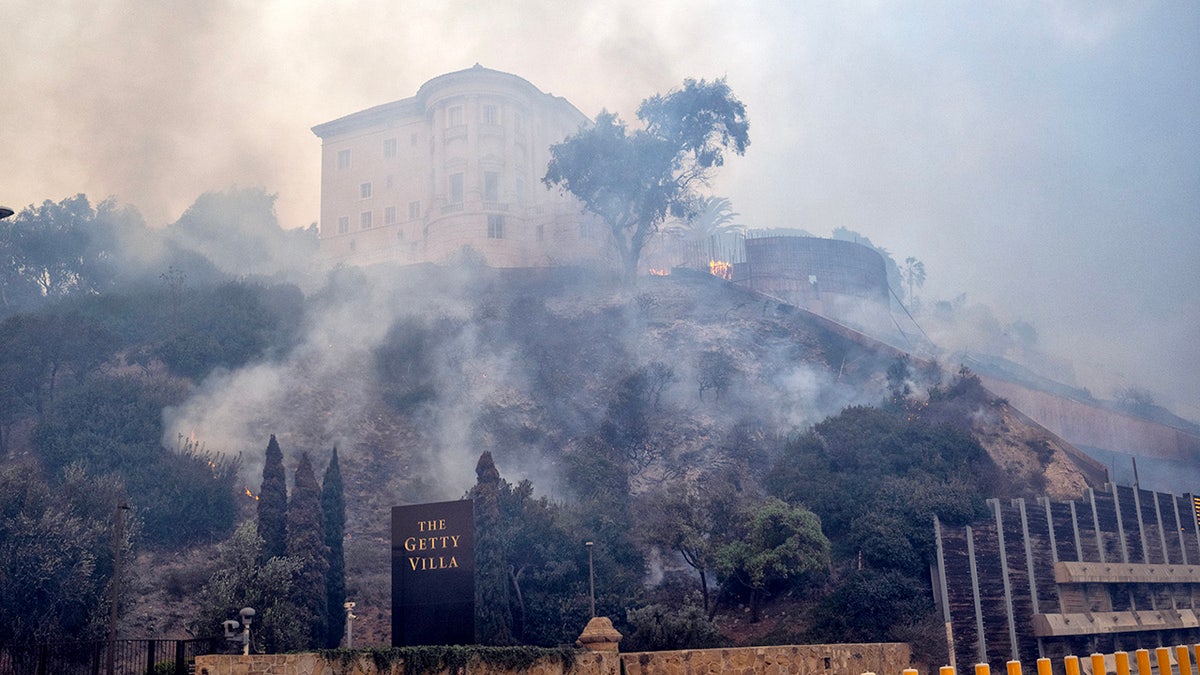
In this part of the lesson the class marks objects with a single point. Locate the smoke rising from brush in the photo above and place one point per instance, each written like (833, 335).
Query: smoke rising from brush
(1039, 157)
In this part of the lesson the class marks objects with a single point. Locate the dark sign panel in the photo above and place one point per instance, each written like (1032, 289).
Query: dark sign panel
(433, 574)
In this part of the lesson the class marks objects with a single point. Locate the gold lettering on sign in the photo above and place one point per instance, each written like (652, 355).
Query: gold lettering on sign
(438, 563)
(431, 543)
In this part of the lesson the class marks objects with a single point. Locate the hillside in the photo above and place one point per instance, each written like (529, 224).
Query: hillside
(413, 373)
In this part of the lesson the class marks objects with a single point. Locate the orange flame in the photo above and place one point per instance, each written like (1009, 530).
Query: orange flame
(720, 268)
(251, 494)
(659, 273)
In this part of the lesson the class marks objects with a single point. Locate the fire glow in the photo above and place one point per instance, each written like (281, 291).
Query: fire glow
(251, 494)
(720, 268)
(659, 273)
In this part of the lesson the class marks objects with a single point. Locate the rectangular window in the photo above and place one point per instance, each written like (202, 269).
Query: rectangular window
(389, 147)
(389, 215)
(412, 140)
(364, 191)
(364, 220)
(400, 234)
(495, 226)
(454, 116)
(414, 210)
(541, 232)
(343, 159)
(491, 114)
(456, 188)
(343, 224)
(389, 181)
(491, 186)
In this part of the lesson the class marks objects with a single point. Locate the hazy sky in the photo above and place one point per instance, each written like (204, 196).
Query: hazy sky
(1040, 156)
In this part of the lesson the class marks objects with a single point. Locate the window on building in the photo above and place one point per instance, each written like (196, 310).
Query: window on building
(456, 188)
(343, 159)
(343, 224)
(541, 232)
(389, 147)
(491, 186)
(454, 116)
(495, 226)
(412, 140)
(400, 234)
(491, 114)
(364, 220)
(390, 181)
(352, 246)
(389, 215)
(364, 190)
(414, 210)
(520, 189)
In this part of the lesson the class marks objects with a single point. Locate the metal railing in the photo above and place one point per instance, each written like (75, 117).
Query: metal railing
(129, 657)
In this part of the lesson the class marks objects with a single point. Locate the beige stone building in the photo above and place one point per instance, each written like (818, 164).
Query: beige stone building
(454, 172)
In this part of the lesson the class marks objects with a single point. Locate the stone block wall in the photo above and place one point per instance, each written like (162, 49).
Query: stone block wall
(845, 659)
(586, 663)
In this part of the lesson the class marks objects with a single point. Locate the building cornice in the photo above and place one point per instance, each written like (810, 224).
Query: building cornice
(415, 105)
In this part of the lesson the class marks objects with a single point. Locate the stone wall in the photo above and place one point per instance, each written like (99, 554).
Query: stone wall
(586, 663)
(847, 659)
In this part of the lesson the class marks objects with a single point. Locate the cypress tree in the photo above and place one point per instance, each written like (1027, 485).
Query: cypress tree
(273, 504)
(306, 545)
(333, 510)
(493, 619)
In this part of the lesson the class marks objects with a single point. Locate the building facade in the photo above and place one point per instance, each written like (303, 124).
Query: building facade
(454, 173)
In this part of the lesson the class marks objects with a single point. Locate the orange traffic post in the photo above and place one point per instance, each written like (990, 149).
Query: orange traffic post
(1013, 667)
(983, 669)
(1072, 664)
(947, 670)
(1043, 666)
(1143, 661)
(909, 671)
(1162, 657)
(1098, 664)
(1184, 659)
(1122, 659)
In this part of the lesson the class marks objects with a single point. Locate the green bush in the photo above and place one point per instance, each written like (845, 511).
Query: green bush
(658, 628)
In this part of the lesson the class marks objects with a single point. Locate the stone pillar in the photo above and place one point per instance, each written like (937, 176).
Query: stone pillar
(599, 635)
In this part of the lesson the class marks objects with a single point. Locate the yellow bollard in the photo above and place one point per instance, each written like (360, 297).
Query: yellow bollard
(1013, 667)
(1043, 666)
(983, 669)
(1185, 660)
(1072, 664)
(947, 670)
(1122, 659)
(1098, 664)
(1143, 661)
(1162, 657)
(909, 671)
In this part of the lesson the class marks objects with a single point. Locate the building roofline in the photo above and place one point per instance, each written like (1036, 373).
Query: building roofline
(416, 103)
